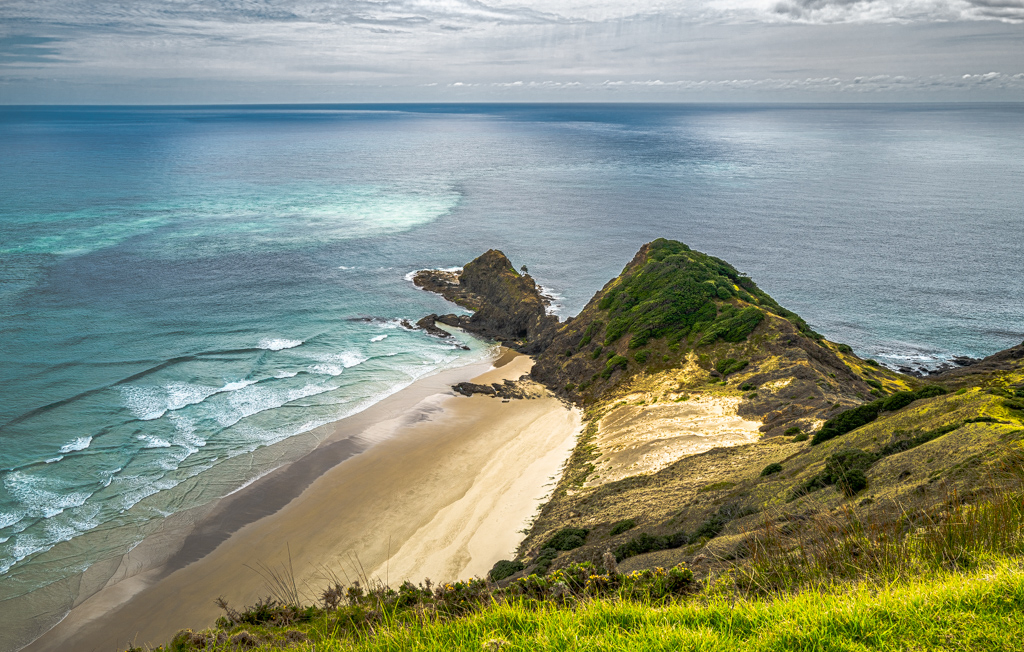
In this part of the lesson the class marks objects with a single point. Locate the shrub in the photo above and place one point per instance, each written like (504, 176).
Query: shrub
(730, 366)
(723, 294)
(543, 560)
(845, 348)
(874, 383)
(771, 469)
(793, 430)
(746, 387)
(623, 526)
(641, 356)
(803, 436)
(588, 334)
(929, 391)
(898, 401)
(852, 482)
(597, 353)
(846, 421)
(505, 568)
(570, 387)
(873, 363)
(568, 538)
(644, 543)
(856, 417)
(735, 328)
(614, 362)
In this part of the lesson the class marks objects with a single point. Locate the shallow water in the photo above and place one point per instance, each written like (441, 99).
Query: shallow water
(181, 287)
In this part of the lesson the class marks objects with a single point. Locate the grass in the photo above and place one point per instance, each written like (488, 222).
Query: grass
(983, 610)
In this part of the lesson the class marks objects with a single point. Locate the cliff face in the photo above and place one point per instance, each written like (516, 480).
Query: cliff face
(507, 305)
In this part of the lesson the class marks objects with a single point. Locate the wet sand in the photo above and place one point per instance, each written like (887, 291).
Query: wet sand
(423, 484)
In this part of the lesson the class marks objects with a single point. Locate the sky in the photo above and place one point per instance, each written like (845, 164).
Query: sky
(306, 51)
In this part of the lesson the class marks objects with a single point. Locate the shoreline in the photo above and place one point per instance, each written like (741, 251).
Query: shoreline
(415, 486)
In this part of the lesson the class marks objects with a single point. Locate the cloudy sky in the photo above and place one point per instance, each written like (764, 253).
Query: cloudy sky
(227, 51)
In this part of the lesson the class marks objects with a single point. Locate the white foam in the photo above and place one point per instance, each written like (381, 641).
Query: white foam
(53, 459)
(333, 364)
(325, 369)
(252, 400)
(145, 402)
(8, 518)
(148, 402)
(379, 338)
(276, 344)
(411, 275)
(153, 442)
(79, 444)
(239, 384)
(285, 374)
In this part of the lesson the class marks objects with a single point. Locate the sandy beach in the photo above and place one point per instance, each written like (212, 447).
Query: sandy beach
(423, 484)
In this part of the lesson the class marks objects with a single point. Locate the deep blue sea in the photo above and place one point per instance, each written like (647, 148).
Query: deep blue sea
(181, 287)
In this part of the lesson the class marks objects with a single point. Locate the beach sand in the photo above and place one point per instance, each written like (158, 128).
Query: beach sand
(429, 484)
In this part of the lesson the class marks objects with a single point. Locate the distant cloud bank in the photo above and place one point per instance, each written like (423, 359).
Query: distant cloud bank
(195, 51)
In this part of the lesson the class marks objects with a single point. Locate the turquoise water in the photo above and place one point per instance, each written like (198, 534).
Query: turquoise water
(182, 287)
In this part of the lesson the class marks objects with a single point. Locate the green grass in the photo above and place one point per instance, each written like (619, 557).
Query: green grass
(979, 611)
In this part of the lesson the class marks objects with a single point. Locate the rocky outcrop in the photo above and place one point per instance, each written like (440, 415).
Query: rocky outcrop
(509, 389)
(507, 305)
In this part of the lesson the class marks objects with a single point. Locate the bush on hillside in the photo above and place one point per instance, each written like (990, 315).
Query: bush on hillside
(568, 538)
(861, 415)
(505, 568)
(623, 526)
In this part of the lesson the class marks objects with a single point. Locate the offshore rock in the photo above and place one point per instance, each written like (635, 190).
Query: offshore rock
(507, 305)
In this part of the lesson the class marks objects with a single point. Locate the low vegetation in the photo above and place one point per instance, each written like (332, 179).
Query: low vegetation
(949, 583)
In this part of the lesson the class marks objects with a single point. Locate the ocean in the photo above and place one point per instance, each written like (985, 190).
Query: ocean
(183, 287)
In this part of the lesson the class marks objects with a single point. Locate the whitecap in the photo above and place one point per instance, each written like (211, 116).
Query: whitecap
(333, 364)
(153, 442)
(285, 374)
(378, 338)
(325, 369)
(239, 384)
(8, 518)
(276, 344)
(79, 444)
(53, 459)
(145, 402)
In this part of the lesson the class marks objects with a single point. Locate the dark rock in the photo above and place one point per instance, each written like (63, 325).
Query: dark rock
(509, 389)
(964, 361)
(508, 306)
(427, 324)
(468, 389)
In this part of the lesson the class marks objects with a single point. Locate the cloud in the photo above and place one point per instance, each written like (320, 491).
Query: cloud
(20, 48)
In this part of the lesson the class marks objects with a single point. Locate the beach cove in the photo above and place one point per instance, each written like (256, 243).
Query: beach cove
(440, 491)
